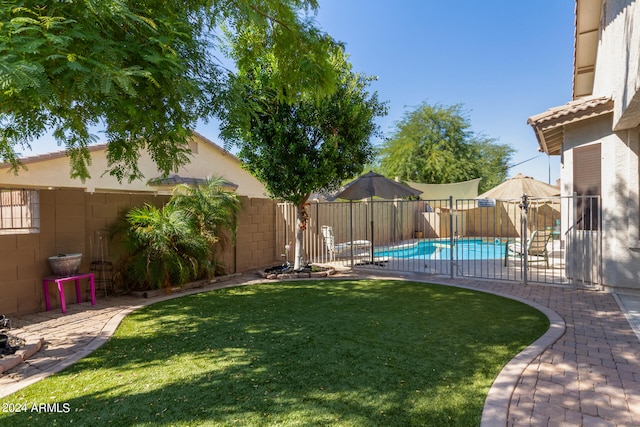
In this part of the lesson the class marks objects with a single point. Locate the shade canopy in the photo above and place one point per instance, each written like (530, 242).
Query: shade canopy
(458, 190)
(372, 184)
(515, 187)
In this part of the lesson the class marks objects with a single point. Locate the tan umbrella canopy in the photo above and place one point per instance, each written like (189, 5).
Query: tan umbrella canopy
(544, 206)
(515, 187)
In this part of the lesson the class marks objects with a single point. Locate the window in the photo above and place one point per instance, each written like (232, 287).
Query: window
(19, 211)
(587, 183)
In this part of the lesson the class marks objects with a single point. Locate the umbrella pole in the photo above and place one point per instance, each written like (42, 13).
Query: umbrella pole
(351, 228)
(372, 245)
(525, 209)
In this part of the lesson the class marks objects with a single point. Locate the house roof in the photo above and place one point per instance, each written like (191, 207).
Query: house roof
(549, 126)
(173, 180)
(54, 155)
(104, 146)
(52, 171)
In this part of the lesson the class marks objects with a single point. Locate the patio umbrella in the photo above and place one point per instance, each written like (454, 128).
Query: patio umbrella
(372, 184)
(515, 187)
(511, 191)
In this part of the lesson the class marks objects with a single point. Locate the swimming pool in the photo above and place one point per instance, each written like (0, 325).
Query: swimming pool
(471, 249)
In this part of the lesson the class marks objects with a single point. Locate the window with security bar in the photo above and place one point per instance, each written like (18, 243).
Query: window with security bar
(19, 211)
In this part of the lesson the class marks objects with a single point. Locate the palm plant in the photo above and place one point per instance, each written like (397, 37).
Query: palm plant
(163, 247)
(177, 243)
(213, 210)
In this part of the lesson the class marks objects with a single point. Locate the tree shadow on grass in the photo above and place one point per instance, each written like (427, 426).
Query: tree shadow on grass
(296, 353)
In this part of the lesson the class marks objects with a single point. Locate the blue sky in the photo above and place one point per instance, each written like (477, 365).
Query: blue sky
(504, 60)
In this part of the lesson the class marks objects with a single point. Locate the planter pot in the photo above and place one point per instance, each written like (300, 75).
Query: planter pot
(63, 265)
(417, 234)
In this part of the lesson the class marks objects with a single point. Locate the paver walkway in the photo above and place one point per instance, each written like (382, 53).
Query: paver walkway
(590, 376)
(585, 372)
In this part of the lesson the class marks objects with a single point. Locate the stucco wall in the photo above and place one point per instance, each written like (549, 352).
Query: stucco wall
(69, 221)
(620, 212)
(618, 61)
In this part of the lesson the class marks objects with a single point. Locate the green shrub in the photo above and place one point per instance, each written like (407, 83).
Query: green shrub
(176, 244)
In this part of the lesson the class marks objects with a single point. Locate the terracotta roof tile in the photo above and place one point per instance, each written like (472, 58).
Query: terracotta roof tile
(569, 109)
(549, 126)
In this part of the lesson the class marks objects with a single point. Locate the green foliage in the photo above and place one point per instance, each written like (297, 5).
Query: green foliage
(177, 243)
(213, 210)
(275, 34)
(434, 145)
(299, 144)
(145, 71)
(296, 148)
(491, 163)
(164, 247)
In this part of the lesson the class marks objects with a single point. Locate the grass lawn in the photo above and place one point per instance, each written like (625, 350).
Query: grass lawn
(312, 353)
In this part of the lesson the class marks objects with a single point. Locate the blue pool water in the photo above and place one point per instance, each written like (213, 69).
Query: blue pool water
(471, 249)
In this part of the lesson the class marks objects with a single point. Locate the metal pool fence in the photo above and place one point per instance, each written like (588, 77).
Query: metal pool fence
(554, 240)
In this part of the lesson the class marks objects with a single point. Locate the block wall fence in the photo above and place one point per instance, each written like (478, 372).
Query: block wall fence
(69, 221)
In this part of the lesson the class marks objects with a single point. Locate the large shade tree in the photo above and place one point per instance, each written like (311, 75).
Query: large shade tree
(144, 71)
(434, 144)
(296, 148)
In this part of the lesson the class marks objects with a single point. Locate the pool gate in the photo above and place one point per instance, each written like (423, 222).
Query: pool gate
(554, 240)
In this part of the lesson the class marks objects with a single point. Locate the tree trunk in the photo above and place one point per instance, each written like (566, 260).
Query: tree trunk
(301, 225)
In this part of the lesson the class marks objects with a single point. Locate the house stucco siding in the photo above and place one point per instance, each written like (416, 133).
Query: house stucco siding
(618, 61)
(604, 110)
(617, 74)
(619, 198)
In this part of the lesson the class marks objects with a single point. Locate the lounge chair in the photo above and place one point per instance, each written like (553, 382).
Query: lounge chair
(343, 250)
(537, 248)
